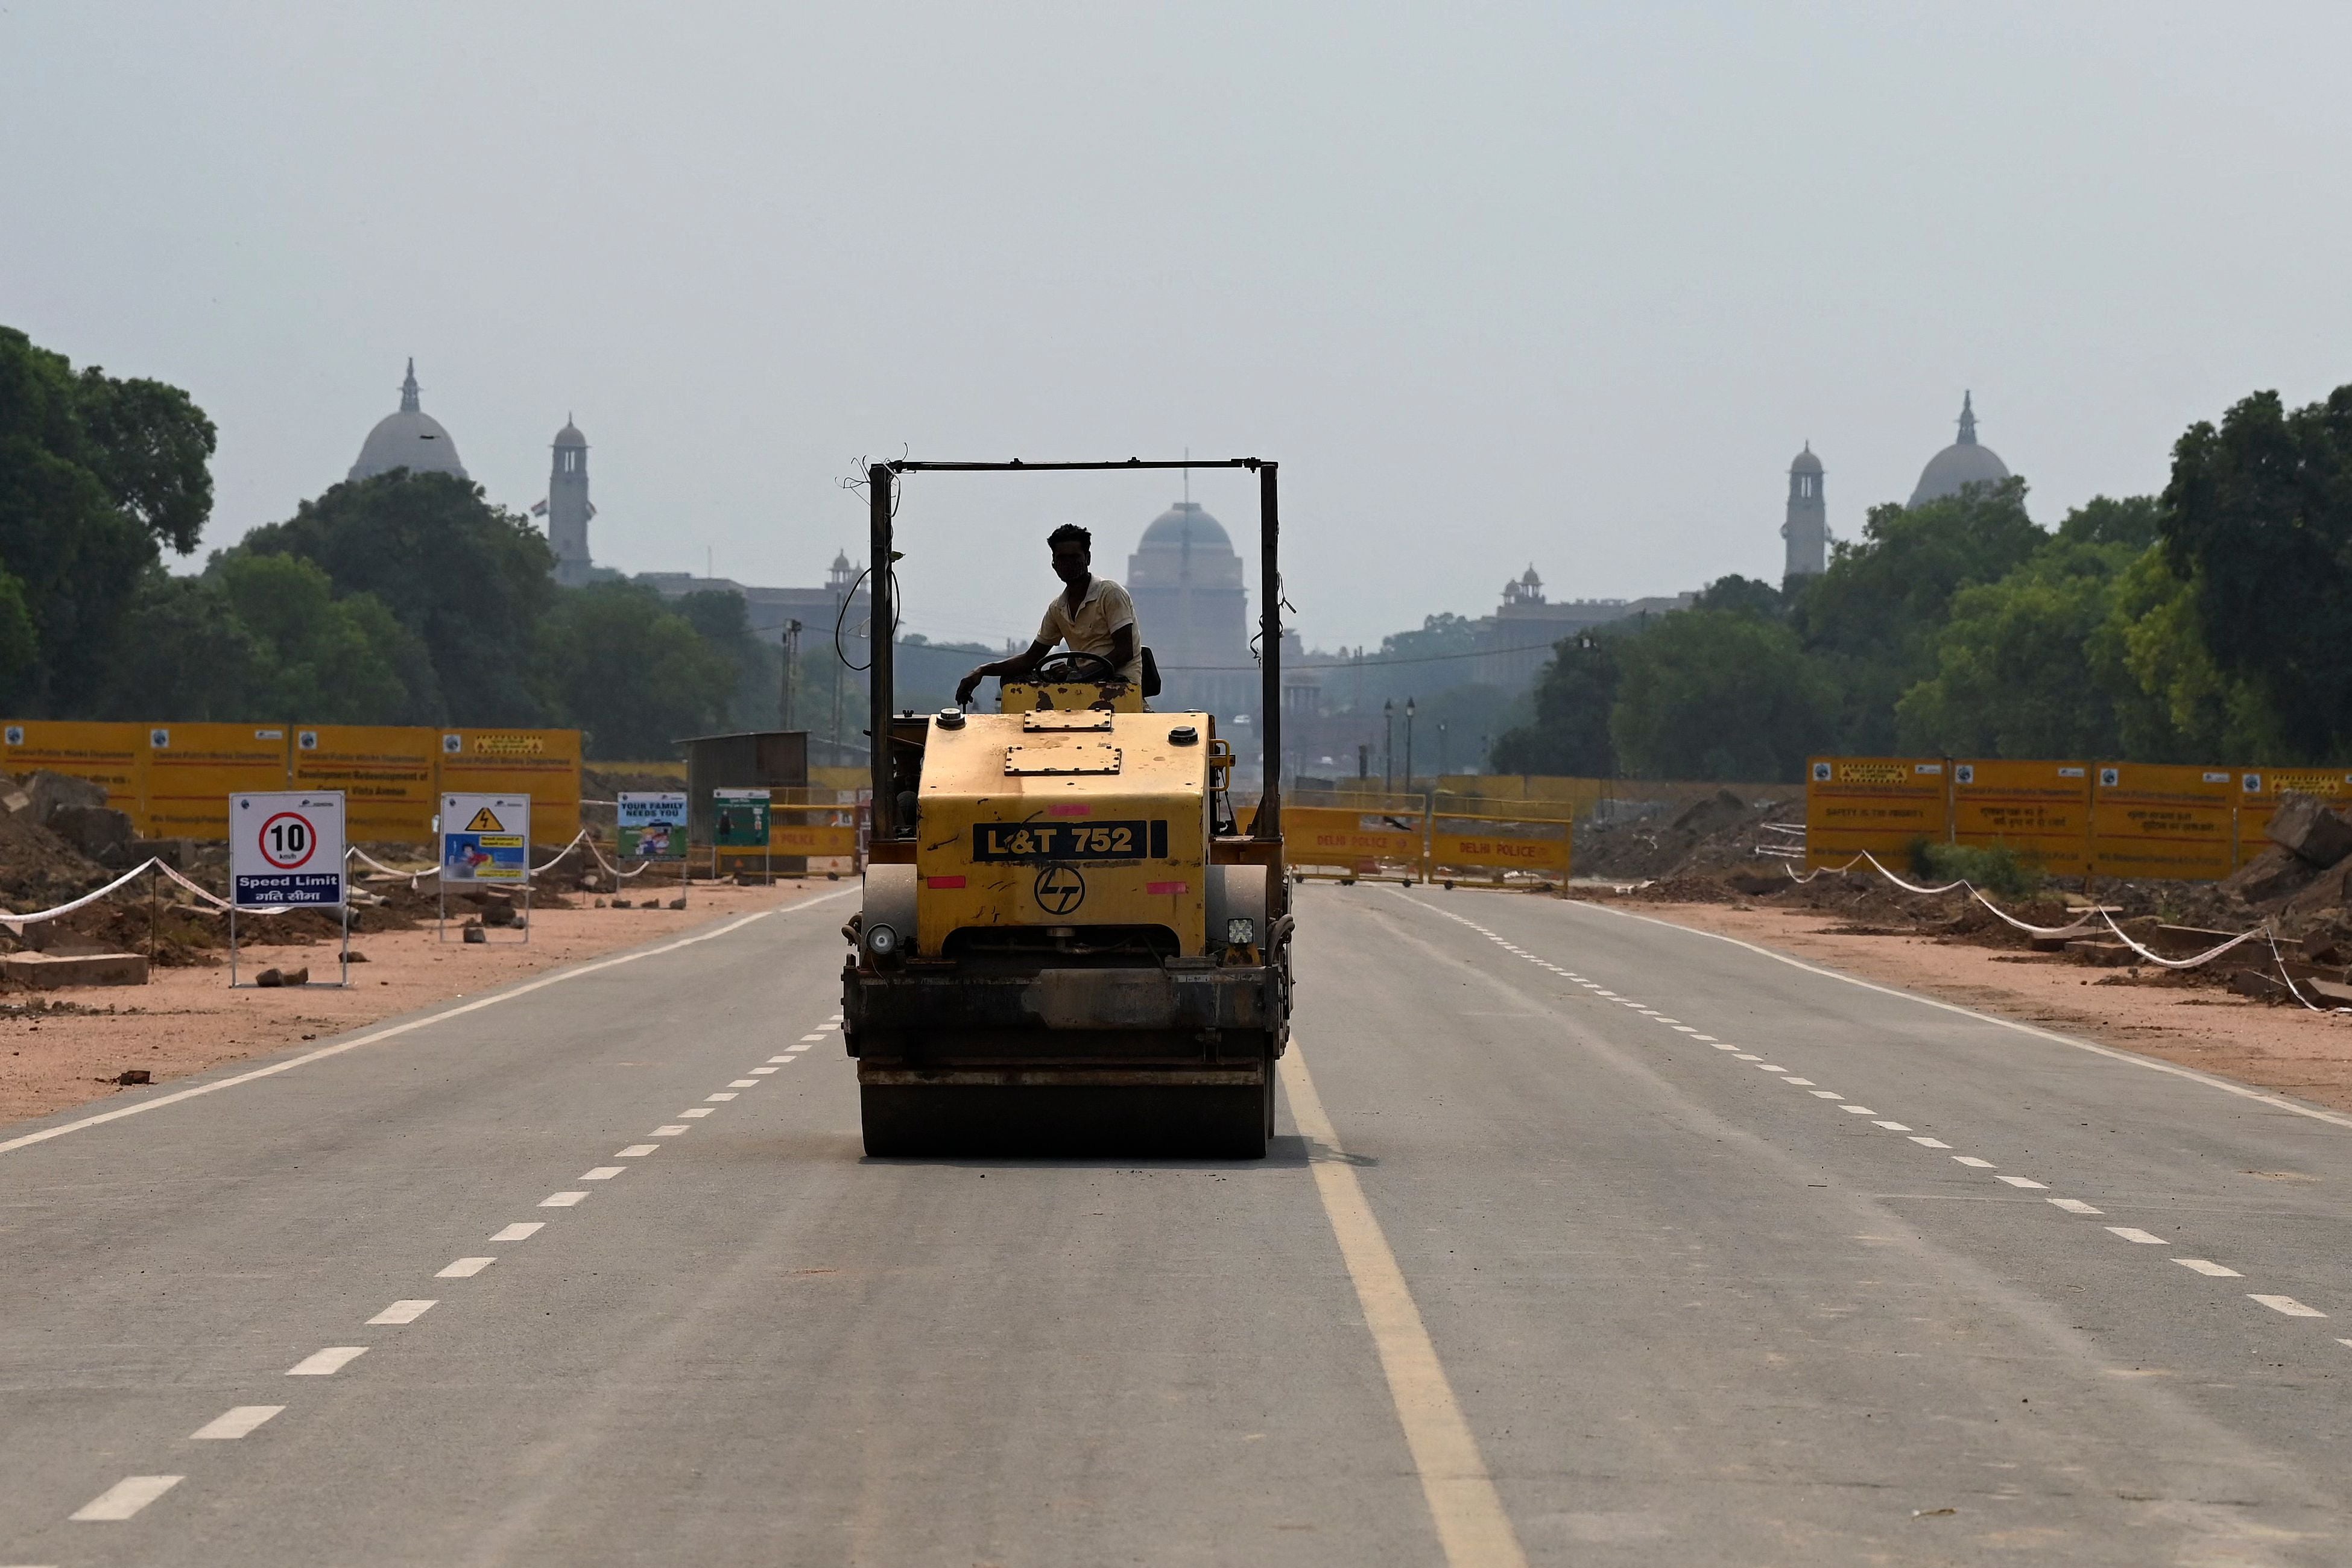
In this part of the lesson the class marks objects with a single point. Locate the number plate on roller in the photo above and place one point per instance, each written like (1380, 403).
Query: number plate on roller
(1078, 841)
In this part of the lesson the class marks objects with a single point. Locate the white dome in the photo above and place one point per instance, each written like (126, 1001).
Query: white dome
(1964, 462)
(408, 438)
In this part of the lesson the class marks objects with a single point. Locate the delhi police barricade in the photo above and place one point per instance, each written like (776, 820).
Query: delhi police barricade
(1483, 843)
(1328, 835)
(809, 825)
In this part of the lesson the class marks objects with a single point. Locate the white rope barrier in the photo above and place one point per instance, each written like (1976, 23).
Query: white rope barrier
(2207, 956)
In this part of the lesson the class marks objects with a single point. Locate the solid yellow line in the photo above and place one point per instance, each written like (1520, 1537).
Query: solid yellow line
(1471, 1524)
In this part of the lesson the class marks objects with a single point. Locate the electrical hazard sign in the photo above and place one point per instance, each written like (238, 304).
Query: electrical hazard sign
(486, 839)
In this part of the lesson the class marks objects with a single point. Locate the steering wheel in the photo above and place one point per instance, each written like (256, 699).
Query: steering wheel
(1069, 666)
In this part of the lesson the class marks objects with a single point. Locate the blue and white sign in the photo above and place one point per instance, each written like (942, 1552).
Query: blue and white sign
(286, 848)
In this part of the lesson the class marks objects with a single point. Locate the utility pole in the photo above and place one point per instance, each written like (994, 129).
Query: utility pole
(1388, 744)
(1363, 760)
(1441, 748)
(792, 668)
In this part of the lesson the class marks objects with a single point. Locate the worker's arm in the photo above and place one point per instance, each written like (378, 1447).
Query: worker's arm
(1122, 646)
(1012, 669)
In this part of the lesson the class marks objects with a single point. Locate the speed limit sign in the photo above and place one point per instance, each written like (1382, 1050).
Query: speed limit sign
(286, 848)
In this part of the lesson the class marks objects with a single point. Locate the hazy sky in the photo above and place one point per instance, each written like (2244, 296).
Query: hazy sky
(1562, 284)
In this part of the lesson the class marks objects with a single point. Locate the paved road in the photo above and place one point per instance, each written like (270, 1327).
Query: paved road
(1613, 1244)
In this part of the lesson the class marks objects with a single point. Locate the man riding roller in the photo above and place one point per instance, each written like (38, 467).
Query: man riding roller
(1092, 614)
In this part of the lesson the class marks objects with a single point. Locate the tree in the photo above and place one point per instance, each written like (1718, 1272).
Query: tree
(1575, 693)
(1743, 596)
(614, 660)
(95, 475)
(1715, 694)
(2258, 519)
(468, 578)
(184, 654)
(1875, 617)
(331, 661)
(722, 619)
(2014, 676)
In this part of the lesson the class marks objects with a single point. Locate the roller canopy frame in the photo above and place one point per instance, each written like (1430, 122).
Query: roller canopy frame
(881, 494)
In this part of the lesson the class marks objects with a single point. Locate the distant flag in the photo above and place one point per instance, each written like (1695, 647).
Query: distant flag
(539, 509)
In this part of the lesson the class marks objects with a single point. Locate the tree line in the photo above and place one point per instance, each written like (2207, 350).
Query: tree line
(403, 599)
(2210, 624)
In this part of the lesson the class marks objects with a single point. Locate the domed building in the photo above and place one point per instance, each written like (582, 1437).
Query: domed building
(1186, 579)
(408, 438)
(1964, 462)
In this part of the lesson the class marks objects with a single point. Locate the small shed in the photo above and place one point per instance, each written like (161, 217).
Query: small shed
(753, 759)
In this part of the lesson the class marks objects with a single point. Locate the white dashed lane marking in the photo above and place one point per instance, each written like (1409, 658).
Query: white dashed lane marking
(125, 1498)
(636, 1151)
(464, 1267)
(233, 1423)
(761, 1072)
(521, 1230)
(602, 1172)
(719, 1098)
(698, 1110)
(402, 1312)
(327, 1362)
(562, 1200)
(2286, 1305)
(779, 1059)
(670, 1131)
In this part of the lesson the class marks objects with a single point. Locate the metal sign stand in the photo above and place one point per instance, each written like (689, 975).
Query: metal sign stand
(315, 805)
(454, 804)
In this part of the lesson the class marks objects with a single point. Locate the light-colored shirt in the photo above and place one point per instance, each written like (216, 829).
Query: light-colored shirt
(1088, 629)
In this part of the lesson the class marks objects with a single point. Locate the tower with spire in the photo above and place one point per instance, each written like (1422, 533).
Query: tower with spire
(568, 508)
(1807, 529)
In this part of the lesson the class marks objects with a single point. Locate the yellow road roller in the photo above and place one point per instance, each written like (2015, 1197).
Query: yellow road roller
(1066, 945)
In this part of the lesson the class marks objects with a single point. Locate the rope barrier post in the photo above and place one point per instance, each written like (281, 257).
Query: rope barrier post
(154, 905)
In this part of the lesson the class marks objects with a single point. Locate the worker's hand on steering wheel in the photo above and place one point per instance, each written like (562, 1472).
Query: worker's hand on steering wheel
(1070, 666)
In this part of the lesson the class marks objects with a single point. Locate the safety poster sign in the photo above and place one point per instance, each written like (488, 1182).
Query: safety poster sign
(486, 839)
(286, 848)
(651, 825)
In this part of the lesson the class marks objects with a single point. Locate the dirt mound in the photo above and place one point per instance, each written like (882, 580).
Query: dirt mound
(1712, 837)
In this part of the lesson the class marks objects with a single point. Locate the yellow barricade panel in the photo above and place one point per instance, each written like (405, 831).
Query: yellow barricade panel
(113, 755)
(2258, 792)
(1548, 856)
(1330, 835)
(2040, 810)
(384, 771)
(816, 840)
(541, 763)
(1878, 804)
(192, 769)
(2151, 819)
